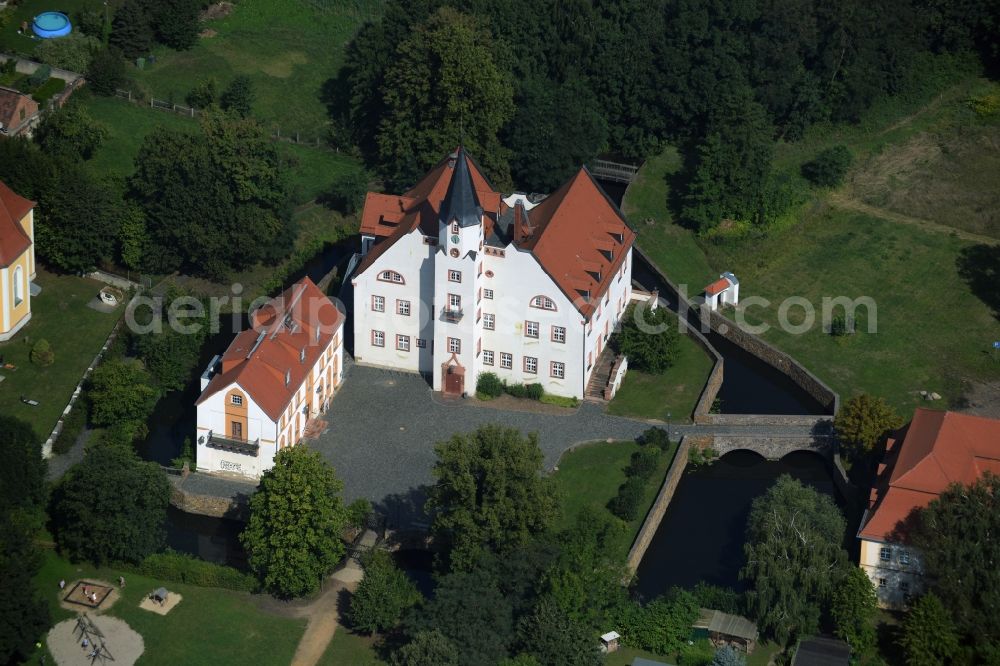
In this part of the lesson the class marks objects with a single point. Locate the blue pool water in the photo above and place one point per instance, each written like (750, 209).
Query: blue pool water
(49, 25)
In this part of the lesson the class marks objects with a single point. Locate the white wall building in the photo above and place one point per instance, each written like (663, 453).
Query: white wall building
(271, 384)
(722, 292)
(457, 280)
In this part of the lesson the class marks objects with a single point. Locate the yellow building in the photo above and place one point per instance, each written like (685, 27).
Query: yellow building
(17, 261)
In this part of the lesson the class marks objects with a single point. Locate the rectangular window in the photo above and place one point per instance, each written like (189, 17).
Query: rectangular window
(557, 370)
(402, 307)
(904, 586)
(489, 322)
(238, 400)
(530, 364)
(454, 346)
(378, 338)
(454, 301)
(488, 293)
(487, 357)
(531, 329)
(558, 334)
(403, 342)
(378, 303)
(421, 343)
(882, 582)
(904, 557)
(506, 360)
(454, 276)
(884, 554)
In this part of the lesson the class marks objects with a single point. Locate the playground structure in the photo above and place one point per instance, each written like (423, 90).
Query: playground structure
(87, 594)
(89, 634)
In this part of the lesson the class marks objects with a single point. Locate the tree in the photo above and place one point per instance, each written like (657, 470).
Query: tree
(556, 129)
(727, 655)
(347, 192)
(469, 609)
(663, 625)
(42, 354)
(132, 29)
(956, 537)
(829, 167)
(649, 338)
(862, 422)
(793, 550)
(106, 72)
(929, 637)
(293, 537)
(238, 96)
(853, 609)
(382, 596)
(22, 450)
(444, 89)
(176, 23)
(70, 132)
(227, 173)
(489, 494)
(427, 648)
(171, 355)
(120, 392)
(133, 239)
(111, 507)
(204, 94)
(552, 637)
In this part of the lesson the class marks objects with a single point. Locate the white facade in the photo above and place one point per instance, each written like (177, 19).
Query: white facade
(460, 303)
(895, 571)
(728, 294)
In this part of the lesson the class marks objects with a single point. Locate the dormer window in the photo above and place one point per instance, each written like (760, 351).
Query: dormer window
(302, 355)
(288, 377)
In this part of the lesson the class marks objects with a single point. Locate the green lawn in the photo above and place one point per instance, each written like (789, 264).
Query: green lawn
(26, 10)
(209, 626)
(676, 391)
(288, 48)
(76, 332)
(310, 170)
(589, 476)
(347, 647)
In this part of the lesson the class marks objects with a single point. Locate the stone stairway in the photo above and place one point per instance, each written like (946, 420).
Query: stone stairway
(599, 378)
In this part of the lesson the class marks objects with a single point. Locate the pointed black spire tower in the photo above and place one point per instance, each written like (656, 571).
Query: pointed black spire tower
(461, 204)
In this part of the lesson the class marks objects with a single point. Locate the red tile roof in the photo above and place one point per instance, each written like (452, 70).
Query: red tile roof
(578, 236)
(933, 451)
(11, 103)
(13, 239)
(258, 358)
(717, 287)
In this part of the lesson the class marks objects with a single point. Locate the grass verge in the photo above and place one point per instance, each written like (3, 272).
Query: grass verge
(676, 391)
(76, 333)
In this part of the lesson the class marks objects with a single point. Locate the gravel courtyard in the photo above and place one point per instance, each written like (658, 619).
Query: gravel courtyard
(383, 426)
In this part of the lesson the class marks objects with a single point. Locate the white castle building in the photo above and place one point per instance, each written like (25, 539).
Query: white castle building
(457, 280)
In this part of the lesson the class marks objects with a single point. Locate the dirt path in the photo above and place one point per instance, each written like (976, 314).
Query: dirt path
(930, 106)
(841, 200)
(324, 618)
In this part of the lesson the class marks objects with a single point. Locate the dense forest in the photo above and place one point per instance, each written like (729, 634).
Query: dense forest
(536, 87)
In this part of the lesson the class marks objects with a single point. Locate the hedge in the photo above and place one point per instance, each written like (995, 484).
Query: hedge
(183, 568)
(489, 385)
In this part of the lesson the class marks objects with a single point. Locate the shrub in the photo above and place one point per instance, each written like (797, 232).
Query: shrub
(73, 425)
(347, 192)
(489, 384)
(183, 568)
(42, 354)
(829, 167)
(47, 90)
(358, 512)
(186, 456)
(643, 463)
(657, 437)
(203, 95)
(698, 457)
(516, 390)
(534, 391)
(72, 52)
(699, 653)
(626, 503)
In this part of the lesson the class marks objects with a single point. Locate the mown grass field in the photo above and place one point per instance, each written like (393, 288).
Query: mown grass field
(209, 626)
(76, 333)
(676, 391)
(288, 48)
(588, 477)
(934, 332)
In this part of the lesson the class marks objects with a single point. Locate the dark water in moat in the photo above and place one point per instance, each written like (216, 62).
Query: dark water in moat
(701, 535)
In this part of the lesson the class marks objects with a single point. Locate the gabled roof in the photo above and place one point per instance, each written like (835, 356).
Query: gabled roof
(580, 238)
(14, 241)
(717, 287)
(301, 318)
(421, 206)
(933, 451)
(10, 101)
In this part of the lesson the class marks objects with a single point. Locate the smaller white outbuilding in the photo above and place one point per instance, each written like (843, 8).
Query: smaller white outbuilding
(609, 641)
(724, 291)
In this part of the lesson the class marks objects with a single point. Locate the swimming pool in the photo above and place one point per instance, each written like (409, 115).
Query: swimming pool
(49, 25)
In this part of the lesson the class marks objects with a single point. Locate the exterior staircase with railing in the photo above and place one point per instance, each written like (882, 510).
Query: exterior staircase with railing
(600, 376)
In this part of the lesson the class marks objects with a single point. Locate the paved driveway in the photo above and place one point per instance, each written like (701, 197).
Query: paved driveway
(383, 426)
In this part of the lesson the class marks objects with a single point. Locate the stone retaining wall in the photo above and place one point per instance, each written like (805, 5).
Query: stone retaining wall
(778, 360)
(236, 508)
(655, 515)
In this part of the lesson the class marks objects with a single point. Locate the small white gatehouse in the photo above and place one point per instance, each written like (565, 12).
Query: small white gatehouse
(724, 291)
